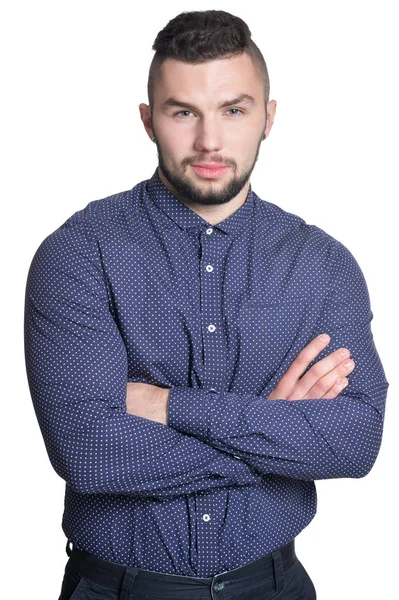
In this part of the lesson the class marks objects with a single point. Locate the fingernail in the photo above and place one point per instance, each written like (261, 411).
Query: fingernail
(344, 352)
(323, 337)
(343, 382)
(348, 363)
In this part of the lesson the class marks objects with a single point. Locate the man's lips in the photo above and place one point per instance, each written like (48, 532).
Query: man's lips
(209, 170)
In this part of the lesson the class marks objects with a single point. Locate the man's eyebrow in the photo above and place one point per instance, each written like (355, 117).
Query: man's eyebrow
(241, 98)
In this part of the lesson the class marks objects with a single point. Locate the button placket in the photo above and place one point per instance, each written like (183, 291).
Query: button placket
(214, 351)
(209, 522)
(209, 518)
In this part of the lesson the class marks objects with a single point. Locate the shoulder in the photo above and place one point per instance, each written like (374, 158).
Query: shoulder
(312, 246)
(109, 208)
(289, 228)
(82, 230)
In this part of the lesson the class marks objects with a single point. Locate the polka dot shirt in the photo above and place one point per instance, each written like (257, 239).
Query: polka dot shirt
(138, 287)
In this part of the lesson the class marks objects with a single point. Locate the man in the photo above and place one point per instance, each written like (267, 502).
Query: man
(187, 348)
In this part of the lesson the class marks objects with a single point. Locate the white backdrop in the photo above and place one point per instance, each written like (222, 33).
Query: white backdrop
(73, 76)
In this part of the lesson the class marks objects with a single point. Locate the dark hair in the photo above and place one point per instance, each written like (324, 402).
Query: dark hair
(200, 36)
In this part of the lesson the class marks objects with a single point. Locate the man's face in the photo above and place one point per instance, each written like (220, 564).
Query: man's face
(204, 116)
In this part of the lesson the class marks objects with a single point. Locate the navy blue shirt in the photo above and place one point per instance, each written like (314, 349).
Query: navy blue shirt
(138, 287)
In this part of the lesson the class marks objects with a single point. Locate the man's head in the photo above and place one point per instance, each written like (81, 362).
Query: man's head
(208, 91)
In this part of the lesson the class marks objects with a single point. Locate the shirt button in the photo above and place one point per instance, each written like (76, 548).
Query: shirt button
(218, 586)
(209, 231)
(206, 517)
(209, 268)
(211, 328)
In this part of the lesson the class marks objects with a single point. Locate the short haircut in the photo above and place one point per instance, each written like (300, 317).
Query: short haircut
(201, 36)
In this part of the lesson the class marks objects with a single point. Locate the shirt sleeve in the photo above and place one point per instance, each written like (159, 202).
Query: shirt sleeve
(303, 439)
(76, 365)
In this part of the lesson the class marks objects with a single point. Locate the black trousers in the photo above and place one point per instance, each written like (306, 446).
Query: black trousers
(276, 576)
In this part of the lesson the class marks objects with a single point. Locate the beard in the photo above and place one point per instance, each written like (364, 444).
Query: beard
(187, 190)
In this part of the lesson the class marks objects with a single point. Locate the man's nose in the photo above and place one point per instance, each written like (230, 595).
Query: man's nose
(208, 136)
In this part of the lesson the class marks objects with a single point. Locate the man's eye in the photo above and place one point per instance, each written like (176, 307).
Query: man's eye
(180, 113)
(236, 113)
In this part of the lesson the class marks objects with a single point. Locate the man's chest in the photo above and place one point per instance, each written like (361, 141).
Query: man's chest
(216, 313)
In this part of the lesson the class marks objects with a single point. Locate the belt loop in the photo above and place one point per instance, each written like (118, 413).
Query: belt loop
(68, 550)
(127, 583)
(278, 570)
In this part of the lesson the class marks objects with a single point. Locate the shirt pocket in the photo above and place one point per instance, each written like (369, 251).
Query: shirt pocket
(268, 331)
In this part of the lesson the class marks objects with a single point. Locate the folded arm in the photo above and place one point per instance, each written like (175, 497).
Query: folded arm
(77, 372)
(311, 438)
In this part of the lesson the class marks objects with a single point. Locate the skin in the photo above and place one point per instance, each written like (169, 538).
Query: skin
(200, 130)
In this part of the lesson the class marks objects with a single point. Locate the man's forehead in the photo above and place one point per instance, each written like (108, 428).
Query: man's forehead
(227, 78)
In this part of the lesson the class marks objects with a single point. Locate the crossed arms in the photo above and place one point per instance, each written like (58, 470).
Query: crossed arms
(77, 371)
(326, 379)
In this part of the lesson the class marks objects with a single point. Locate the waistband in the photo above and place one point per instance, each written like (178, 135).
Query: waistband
(130, 579)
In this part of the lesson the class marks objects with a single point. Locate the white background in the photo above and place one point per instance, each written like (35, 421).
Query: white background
(73, 75)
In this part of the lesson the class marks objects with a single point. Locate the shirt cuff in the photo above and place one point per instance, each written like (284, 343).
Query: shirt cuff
(189, 410)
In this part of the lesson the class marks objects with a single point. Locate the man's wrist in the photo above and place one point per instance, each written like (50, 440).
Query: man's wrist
(164, 404)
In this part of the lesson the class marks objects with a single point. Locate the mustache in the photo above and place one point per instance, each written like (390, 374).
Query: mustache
(212, 159)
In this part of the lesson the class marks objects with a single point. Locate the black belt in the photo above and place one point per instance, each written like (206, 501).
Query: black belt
(121, 578)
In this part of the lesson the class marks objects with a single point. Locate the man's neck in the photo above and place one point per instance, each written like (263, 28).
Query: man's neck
(215, 213)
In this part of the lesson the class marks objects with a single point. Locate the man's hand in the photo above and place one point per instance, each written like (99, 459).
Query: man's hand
(326, 379)
(147, 401)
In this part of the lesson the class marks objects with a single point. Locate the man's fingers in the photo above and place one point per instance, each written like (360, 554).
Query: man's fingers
(324, 384)
(323, 375)
(306, 356)
(336, 389)
(299, 366)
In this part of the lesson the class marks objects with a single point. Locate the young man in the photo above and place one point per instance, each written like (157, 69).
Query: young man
(187, 348)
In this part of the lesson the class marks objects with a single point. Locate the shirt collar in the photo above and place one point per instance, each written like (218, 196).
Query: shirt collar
(187, 219)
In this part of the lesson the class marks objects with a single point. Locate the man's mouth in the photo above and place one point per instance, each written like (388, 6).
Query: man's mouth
(209, 170)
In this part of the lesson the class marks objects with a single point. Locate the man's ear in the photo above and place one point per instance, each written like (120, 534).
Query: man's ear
(145, 114)
(271, 111)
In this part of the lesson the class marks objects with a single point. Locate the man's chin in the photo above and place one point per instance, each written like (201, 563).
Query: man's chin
(206, 186)
(208, 193)
(198, 190)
